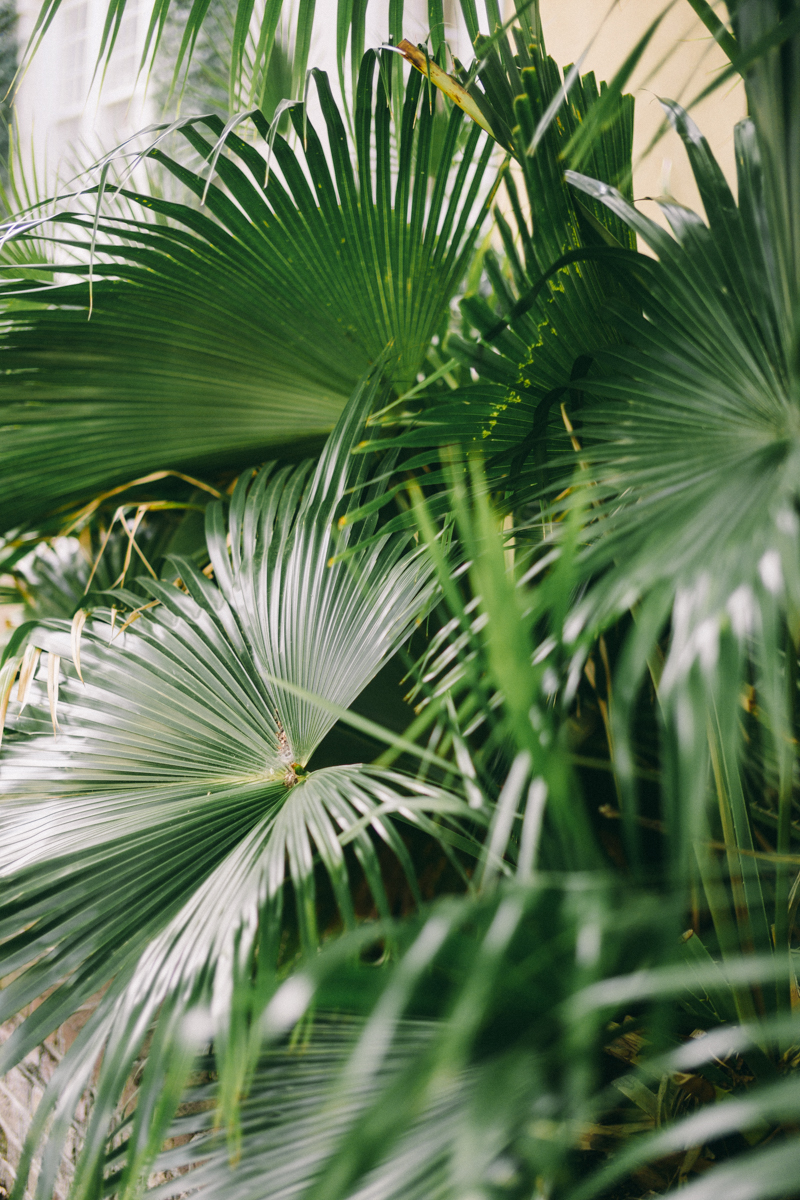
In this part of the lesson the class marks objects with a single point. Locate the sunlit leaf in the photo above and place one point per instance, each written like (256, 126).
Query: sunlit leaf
(147, 843)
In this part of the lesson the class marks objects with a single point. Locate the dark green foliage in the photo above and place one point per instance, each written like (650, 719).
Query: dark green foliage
(8, 69)
(313, 281)
(545, 943)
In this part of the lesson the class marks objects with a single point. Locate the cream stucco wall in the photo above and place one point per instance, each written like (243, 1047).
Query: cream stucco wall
(680, 62)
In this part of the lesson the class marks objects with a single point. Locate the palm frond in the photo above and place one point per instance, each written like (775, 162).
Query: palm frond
(471, 1065)
(541, 323)
(601, 1010)
(768, 38)
(220, 337)
(148, 841)
(285, 1141)
(693, 454)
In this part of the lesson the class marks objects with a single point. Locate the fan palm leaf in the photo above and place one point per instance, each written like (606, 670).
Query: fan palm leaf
(692, 450)
(540, 329)
(167, 846)
(215, 337)
(146, 845)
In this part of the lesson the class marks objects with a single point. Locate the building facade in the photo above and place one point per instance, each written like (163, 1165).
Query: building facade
(67, 113)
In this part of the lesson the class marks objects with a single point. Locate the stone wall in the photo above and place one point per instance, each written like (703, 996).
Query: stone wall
(20, 1092)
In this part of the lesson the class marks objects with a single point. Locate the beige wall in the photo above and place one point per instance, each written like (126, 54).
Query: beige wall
(681, 60)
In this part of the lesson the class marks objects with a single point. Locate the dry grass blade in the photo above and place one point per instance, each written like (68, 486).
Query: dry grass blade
(53, 671)
(78, 622)
(27, 671)
(8, 674)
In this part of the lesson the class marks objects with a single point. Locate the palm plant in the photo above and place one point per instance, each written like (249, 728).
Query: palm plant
(543, 944)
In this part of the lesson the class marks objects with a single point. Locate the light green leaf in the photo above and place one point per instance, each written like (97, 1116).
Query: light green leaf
(150, 840)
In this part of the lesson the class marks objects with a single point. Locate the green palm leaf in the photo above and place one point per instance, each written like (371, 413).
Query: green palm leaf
(293, 1119)
(220, 337)
(539, 330)
(473, 1064)
(692, 446)
(148, 843)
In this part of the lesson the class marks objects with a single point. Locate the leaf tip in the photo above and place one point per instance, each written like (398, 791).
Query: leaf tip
(78, 622)
(53, 670)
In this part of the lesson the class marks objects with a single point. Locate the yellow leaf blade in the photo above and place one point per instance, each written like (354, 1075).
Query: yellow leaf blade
(26, 674)
(8, 674)
(444, 82)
